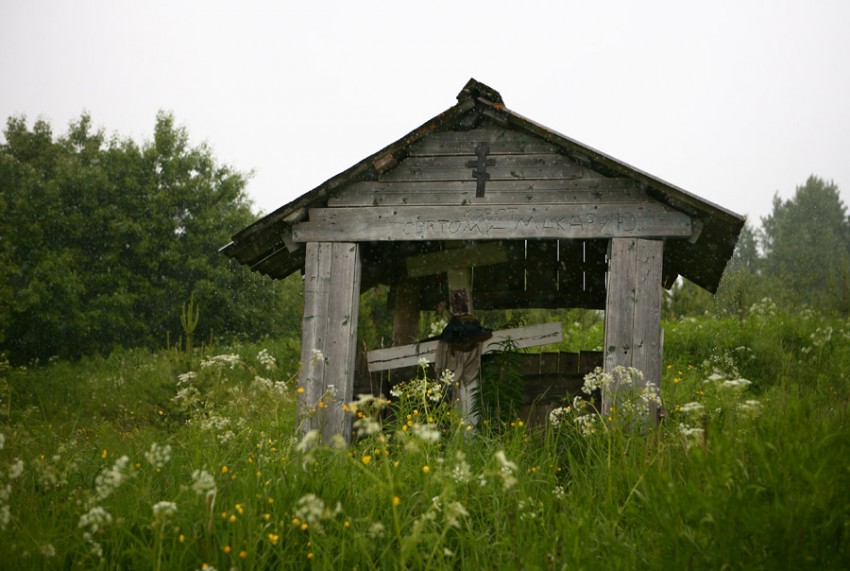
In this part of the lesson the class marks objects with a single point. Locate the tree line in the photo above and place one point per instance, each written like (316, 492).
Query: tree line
(103, 240)
(799, 257)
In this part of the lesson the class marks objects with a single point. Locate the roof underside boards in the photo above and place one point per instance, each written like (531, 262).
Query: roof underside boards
(531, 166)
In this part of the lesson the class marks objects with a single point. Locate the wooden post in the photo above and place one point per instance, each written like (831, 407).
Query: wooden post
(329, 337)
(633, 310)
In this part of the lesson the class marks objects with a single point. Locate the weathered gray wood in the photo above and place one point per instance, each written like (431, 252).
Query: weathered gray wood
(619, 309)
(328, 347)
(501, 141)
(498, 192)
(646, 354)
(478, 254)
(409, 355)
(341, 344)
(317, 275)
(633, 307)
(506, 167)
(482, 223)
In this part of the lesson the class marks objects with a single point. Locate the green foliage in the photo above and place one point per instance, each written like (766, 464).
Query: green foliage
(502, 387)
(102, 237)
(799, 258)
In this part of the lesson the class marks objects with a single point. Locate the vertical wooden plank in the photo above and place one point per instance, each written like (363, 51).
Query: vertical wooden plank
(570, 266)
(619, 308)
(406, 295)
(317, 274)
(541, 259)
(646, 354)
(341, 341)
(594, 265)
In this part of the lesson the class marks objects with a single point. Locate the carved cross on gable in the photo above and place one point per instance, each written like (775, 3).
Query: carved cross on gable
(480, 165)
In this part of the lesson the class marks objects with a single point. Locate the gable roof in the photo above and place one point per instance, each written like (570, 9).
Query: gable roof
(265, 245)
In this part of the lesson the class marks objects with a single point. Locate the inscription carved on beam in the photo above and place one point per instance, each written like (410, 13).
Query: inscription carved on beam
(487, 222)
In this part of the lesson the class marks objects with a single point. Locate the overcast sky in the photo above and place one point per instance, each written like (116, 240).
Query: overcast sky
(732, 101)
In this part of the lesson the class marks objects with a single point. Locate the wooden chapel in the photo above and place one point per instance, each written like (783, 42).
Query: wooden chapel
(484, 199)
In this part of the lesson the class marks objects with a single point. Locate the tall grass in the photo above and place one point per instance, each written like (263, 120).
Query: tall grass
(738, 475)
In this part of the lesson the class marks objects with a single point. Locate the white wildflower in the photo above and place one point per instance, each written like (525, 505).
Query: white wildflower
(461, 472)
(267, 360)
(447, 377)
(308, 441)
(587, 423)
(230, 360)
(649, 394)
(750, 406)
(110, 479)
(367, 425)
(558, 415)
(376, 530)
(163, 510)
(455, 511)
(427, 432)
(736, 384)
(689, 431)
(186, 378)
(316, 356)
(694, 407)
(203, 483)
(311, 510)
(507, 469)
(95, 519)
(16, 469)
(158, 456)
(560, 493)
(5, 516)
(47, 550)
(423, 362)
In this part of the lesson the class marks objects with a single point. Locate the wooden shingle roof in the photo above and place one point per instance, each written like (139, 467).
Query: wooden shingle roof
(266, 245)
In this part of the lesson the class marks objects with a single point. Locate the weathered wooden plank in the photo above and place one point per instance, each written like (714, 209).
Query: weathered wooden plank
(646, 353)
(446, 144)
(619, 308)
(493, 197)
(633, 309)
(406, 295)
(541, 265)
(478, 254)
(568, 363)
(506, 276)
(505, 167)
(482, 222)
(499, 139)
(358, 190)
(409, 355)
(317, 275)
(341, 343)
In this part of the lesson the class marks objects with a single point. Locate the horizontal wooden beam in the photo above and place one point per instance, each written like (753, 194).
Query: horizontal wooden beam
(464, 192)
(409, 355)
(645, 220)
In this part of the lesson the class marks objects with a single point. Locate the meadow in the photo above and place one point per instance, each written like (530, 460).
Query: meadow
(170, 460)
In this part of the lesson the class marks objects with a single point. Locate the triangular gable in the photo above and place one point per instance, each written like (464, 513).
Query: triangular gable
(434, 163)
